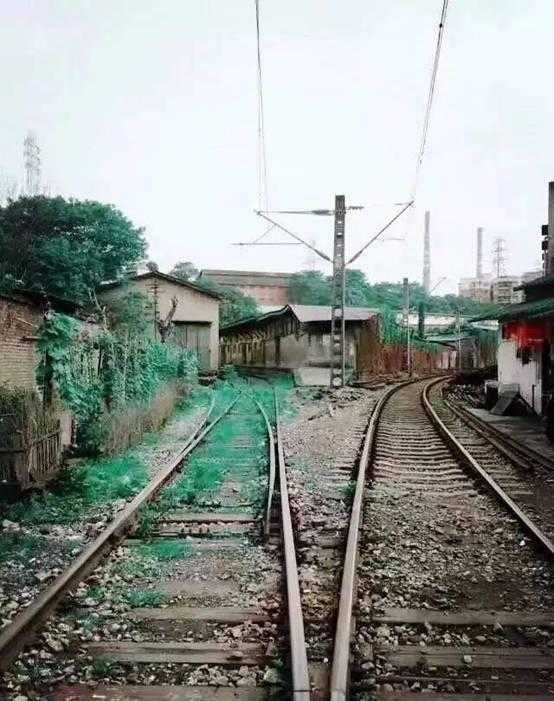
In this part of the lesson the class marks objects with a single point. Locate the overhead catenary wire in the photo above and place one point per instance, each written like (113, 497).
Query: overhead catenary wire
(262, 153)
(430, 96)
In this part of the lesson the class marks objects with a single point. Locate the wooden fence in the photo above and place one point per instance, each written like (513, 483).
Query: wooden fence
(33, 464)
(375, 357)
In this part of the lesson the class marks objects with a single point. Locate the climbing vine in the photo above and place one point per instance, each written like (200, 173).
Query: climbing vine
(99, 371)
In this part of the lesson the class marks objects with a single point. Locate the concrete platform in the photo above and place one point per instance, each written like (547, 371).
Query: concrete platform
(525, 430)
(311, 377)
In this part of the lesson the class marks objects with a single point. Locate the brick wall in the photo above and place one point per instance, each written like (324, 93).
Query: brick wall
(19, 323)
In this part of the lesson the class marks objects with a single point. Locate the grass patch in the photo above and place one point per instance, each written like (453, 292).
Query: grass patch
(145, 598)
(92, 483)
(163, 549)
(19, 546)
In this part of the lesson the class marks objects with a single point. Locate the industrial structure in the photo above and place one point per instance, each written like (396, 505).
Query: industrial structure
(268, 289)
(498, 287)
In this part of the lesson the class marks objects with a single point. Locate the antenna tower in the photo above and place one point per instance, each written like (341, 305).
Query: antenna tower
(499, 256)
(31, 154)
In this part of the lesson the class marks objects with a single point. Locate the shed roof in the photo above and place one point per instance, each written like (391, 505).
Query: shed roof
(306, 314)
(247, 277)
(524, 310)
(162, 276)
(537, 282)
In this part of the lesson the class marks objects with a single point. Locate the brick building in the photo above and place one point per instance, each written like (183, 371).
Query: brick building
(21, 315)
(268, 289)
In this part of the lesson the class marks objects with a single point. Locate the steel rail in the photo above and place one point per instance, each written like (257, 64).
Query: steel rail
(517, 453)
(15, 636)
(541, 538)
(341, 652)
(271, 473)
(299, 657)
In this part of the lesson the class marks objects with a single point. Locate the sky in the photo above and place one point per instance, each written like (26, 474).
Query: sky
(153, 108)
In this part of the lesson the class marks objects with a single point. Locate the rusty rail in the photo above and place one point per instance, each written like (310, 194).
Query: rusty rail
(299, 658)
(271, 472)
(340, 668)
(15, 636)
(522, 456)
(540, 538)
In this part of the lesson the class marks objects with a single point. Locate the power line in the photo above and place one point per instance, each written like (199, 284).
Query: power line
(262, 156)
(430, 97)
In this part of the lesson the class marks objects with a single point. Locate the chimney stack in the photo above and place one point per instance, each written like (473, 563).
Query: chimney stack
(427, 254)
(479, 252)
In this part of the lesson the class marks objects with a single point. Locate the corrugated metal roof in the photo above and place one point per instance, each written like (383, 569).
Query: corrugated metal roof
(537, 282)
(524, 310)
(306, 314)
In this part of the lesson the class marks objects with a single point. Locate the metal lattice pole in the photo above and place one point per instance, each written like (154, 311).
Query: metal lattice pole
(338, 327)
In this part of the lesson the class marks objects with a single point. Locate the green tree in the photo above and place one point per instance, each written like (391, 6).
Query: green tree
(310, 287)
(65, 247)
(184, 270)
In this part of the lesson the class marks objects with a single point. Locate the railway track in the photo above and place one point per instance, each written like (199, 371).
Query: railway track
(215, 611)
(447, 579)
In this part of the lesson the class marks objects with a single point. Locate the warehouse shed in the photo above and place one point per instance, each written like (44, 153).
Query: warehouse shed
(294, 336)
(196, 317)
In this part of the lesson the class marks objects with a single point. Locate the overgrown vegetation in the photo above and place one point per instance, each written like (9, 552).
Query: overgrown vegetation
(100, 374)
(23, 417)
(65, 247)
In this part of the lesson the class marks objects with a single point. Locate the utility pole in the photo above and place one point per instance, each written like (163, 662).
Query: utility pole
(406, 315)
(459, 343)
(338, 294)
(338, 326)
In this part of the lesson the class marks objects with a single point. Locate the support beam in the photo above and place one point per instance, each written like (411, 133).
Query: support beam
(338, 360)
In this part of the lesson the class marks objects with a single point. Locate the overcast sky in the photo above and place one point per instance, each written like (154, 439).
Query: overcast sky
(152, 106)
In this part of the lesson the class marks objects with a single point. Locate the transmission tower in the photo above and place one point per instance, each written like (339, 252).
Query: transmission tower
(499, 256)
(31, 155)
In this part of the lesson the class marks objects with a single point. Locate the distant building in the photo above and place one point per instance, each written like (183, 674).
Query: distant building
(505, 289)
(294, 336)
(196, 318)
(476, 288)
(266, 288)
(530, 276)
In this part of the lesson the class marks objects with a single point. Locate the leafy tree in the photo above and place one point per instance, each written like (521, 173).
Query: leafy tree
(234, 304)
(313, 287)
(184, 270)
(65, 247)
(152, 266)
(310, 287)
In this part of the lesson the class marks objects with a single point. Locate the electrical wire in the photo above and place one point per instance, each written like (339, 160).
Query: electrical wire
(262, 155)
(430, 96)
